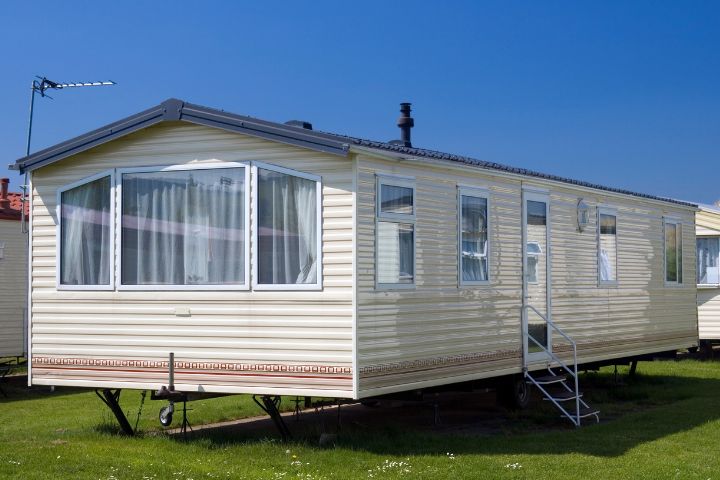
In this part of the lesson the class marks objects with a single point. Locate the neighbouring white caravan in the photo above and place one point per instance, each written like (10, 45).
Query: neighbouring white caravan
(273, 259)
(708, 274)
(13, 274)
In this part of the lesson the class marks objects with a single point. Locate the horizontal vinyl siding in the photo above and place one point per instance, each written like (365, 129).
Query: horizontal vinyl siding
(709, 313)
(13, 289)
(439, 333)
(708, 299)
(285, 342)
(709, 220)
(638, 315)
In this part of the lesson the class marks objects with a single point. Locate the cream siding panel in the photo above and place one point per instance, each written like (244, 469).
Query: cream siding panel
(708, 219)
(438, 333)
(280, 342)
(708, 298)
(13, 289)
(709, 313)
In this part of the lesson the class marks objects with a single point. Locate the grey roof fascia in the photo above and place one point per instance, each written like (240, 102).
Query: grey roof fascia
(91, 139)
(177, 110)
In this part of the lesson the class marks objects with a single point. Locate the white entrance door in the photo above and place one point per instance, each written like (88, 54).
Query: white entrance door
(536, 276)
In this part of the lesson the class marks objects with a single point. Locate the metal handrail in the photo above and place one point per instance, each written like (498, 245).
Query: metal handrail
(554, 357)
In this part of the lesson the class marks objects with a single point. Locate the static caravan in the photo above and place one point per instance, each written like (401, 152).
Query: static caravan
(13, 274)
(707, 221)
(274, 259)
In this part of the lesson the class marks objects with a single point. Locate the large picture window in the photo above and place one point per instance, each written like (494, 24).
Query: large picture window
(184, 227)
(287, 230)
(395, 235)
(673, 252)
(607, 246)
(85, 234)
(473, 236)
(187, 227)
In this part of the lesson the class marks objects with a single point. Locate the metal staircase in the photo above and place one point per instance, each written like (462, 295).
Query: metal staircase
(559, 382)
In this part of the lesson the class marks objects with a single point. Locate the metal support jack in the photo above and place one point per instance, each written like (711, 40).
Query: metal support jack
(112, 400)
(270, 406)
(185, 422)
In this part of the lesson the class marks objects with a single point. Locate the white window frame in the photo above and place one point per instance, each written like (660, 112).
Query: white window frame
(200, 166)
(395, 181)
(679, 245)
(58, 234)
(318, 190)
(2, 249)
(706, 285)
(474, 192)
(605, 210)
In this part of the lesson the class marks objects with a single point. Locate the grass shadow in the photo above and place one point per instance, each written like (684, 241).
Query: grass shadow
(639, 410)
(16, 390)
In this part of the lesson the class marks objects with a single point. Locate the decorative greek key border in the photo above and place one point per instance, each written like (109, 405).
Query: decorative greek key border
(180, 365)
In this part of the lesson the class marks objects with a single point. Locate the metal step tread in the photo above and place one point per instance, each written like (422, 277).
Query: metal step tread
(564, 396)
(588, 411)
(585, 412)
(549, 379)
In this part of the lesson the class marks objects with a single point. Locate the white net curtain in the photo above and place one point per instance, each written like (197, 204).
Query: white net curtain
(183, 227)
(85, 234)
(287, 229)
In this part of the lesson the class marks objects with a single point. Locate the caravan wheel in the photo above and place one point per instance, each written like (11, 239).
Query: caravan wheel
(513, 392)
(166, 415)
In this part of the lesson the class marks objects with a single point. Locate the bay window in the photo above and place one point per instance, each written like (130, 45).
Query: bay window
(287, 229)
(85, 211)
(473, 236)
(708, 261)
(182, 227)
(187, 227)
(395, 232)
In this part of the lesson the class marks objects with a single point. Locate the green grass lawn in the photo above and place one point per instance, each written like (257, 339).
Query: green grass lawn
(665, 423)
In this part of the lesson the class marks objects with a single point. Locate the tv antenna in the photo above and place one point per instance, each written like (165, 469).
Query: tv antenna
(42, 85)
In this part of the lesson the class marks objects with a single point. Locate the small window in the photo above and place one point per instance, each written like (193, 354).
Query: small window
(607, 246)
(287, 229)
(673, 252)
(395, 236)
(184, 227)
(2, 250)
(85, 234)
(708, 261)
(473, 237)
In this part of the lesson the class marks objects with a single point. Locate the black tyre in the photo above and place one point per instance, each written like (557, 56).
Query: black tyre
(706, 349)
(514, 393)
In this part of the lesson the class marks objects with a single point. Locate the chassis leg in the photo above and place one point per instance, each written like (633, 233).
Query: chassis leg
(270, 406)
(111, 399)
(633, 368)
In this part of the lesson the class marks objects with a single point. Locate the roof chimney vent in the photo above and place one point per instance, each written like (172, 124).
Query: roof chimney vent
(300, 124)
(405, 122)
(4, 200)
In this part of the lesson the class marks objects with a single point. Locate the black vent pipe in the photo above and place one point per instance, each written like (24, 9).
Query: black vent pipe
(405, 122)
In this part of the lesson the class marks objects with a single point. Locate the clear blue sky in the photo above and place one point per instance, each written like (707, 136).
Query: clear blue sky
(625, 94)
